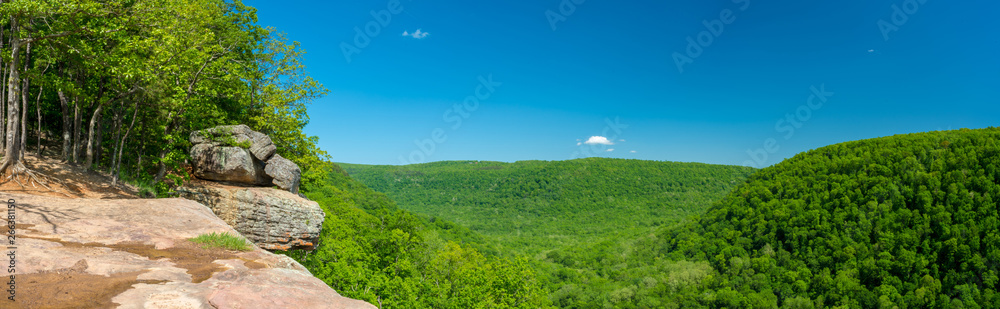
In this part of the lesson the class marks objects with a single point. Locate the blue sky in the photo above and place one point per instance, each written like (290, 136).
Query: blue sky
(494, 80)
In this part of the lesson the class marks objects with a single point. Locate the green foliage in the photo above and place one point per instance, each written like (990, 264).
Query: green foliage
(126, 82)
(908, 221)
(224, 241)
(586, 224)
(145, 187)
(142, 75)
(371, 250)
(528, 207)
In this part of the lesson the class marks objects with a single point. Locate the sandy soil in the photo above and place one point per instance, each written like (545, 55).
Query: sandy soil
(67, 180)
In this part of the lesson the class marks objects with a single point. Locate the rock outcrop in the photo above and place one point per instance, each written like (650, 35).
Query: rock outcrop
(227, 163)
(239, 154)
(273, 219)
(284, 173)
(259, 144)
(75, 253)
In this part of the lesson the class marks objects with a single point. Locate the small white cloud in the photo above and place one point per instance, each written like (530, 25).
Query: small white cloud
(621, 140)
(632, 151)
(598, 140)
(416, 34)
(578, 143)
(610, 149)
(871, 51)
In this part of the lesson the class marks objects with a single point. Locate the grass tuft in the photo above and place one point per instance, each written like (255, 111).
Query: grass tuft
(223, 240)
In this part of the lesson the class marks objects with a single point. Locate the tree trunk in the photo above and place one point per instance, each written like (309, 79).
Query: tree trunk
(24, 102)
(67, 126)
(3, 92)
(138, 164)
(24, 116)
(121, 145)
(117, 129)
(77, 119)
(90, 137)
(98, 139)
(3, 112)
(38, 114)
(12, 155)
(89, 146)
(162, 168)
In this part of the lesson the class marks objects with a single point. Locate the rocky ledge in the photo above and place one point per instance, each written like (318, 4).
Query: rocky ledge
(271, 218)
(89, 253)
(252, 188)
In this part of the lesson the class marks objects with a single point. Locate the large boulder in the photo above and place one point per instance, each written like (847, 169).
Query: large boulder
(101, 253)
(271, 218)
(227, 163)
(238, 154)
(284, 173)
(259, 144)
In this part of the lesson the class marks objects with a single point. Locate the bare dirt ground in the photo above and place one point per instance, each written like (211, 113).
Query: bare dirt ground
(66, 180)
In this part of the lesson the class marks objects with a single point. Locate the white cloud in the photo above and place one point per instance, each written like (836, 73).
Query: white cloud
(621, 140)
(632, 151)
(416, 34)
(610, 149)
(598, 140)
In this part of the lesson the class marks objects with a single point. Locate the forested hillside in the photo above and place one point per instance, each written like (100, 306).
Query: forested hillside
(119, 85)
(371, 250)
(585, 225)
(907, 221)
(532, 206)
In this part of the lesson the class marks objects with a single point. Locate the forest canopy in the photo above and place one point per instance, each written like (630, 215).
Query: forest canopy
(532, 206)
(907, 221)
(118, 85)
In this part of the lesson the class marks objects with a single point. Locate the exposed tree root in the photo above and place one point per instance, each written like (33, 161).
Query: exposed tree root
(21, 174)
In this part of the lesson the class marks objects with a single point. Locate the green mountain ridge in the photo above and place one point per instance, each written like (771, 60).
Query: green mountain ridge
(533, 206)
(905, 221)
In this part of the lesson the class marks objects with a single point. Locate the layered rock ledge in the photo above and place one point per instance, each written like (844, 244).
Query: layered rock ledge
(90, 253)
(271, 218)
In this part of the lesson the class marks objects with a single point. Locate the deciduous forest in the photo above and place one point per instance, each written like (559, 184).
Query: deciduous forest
(117, 86)
(906, 221)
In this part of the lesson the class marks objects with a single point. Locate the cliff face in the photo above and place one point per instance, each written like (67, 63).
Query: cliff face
(90, 253)
(271, 218)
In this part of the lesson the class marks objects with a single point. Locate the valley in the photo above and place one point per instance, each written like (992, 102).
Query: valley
(901, 221)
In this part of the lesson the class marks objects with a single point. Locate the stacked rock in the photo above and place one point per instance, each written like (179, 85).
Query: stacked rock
(240, 155)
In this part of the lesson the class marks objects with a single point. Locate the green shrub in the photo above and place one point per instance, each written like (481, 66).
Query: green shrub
(223, 240)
